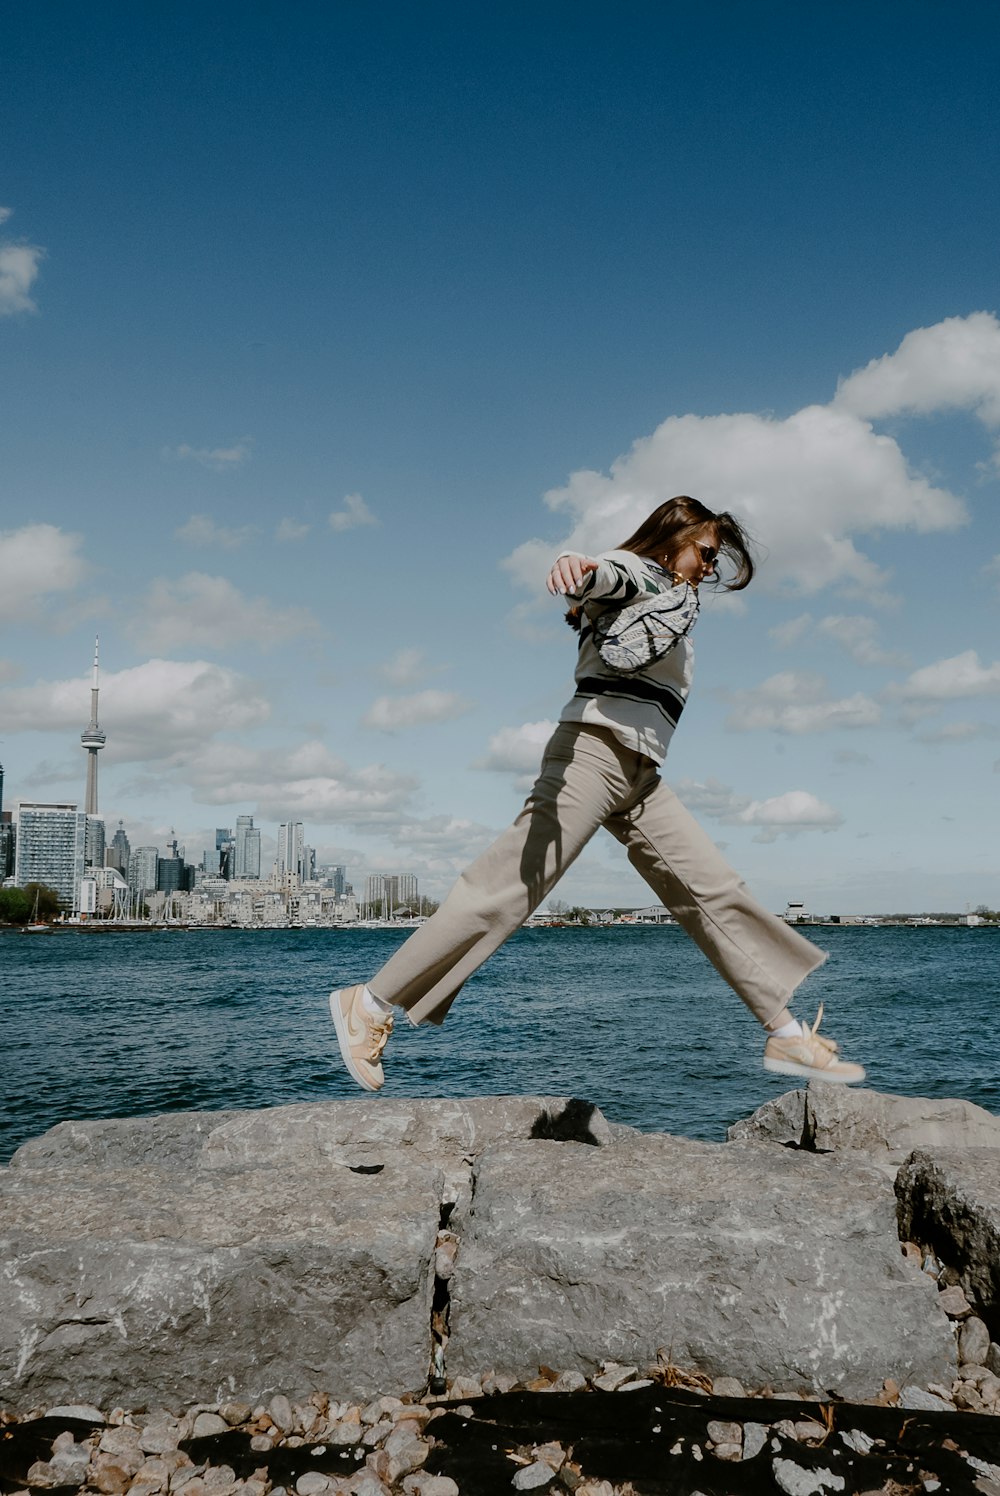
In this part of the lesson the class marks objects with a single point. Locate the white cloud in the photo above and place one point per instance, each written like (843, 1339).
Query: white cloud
(405, 668)
(291, 530)
(201, 529)
(789, 633)
(954, 365)
(856, 634)
(306, 783)
(517, 751)
(219, 459)
(18, 272)
(149, 712)
(396, 713)
(797, 702)
(354, 513)
(992, 568)
(35, 562)
(808, 485)
(209, 612)
(789, 814)
(954, 679)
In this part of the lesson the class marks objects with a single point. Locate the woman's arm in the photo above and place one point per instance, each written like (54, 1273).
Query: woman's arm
(579, 577)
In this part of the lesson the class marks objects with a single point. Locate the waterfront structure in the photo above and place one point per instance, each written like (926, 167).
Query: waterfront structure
(387, 892)
(93, 740)
(247, 850)
(52, 847)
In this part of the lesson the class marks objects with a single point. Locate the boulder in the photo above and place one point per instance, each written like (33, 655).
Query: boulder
(178, 1286)
(951, 1201)
(363, 1133)
(775, 1267)
(826, 1118)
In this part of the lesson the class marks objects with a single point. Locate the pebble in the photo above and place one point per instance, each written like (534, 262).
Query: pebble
(973, 1341)
(728, 1451)
(920, 1401)
(993, 1357)
(208, 1423)
(954, 1303)
(368, 1485)
(86, 1412)
(552, 1453)
(569, 1381)
(857, 1440)
(495, 1382)
(612, 1376)
(728, 1387)
(406, 1452)
(159, 1436)
(635, 1384)
(235, 1413)
(754, 1439)
(532, 1477)
(280, 1410)
(312, 1483)
(724, 1433)
(795, 1481)
(421, 1484)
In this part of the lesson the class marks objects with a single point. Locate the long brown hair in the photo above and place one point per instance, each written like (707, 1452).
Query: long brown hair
(665, 533)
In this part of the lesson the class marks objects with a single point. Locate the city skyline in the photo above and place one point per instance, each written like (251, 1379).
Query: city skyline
(306, 391)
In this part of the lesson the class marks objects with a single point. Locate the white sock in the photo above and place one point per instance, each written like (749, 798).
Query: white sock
(790, 1030)
(374, 1005)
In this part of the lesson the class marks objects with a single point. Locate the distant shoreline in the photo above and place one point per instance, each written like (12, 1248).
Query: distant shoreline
(99, 927)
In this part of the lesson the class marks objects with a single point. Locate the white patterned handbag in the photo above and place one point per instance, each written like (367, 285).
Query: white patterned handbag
(631, 638)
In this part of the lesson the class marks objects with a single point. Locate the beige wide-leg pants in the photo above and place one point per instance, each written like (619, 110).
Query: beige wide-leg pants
(589, 779)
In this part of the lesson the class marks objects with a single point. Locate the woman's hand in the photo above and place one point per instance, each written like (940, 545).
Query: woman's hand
(568, 573)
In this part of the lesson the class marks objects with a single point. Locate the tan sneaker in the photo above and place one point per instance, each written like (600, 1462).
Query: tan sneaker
(361, 1037)
(811, 1055)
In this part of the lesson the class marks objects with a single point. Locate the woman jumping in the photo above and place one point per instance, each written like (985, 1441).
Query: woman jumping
(600, 768)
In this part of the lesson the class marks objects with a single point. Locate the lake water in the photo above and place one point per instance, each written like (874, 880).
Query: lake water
(633, 1019)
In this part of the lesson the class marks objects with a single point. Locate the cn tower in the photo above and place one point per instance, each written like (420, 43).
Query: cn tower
(93, 739)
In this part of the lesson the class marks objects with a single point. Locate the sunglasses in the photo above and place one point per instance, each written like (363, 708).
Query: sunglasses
(708, 553)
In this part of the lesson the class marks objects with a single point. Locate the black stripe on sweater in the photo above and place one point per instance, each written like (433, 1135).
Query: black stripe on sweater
(662, 697)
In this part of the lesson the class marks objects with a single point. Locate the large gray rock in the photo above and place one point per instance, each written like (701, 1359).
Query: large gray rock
(951, 1201)
(123, 1286)
(361, 1133)
(776, 1267)
(826, 1118)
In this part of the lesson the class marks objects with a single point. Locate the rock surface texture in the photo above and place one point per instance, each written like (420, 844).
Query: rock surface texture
(769, 1266)
(360, 1247)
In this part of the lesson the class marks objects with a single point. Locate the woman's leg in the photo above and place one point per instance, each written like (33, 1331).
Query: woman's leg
(761, 957)
(586, 775)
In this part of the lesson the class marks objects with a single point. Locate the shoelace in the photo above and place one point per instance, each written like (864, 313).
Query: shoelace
(830, 1045)
(378, 1033)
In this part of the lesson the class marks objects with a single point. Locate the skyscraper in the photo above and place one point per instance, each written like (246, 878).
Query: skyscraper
(142, 867)
(119, 850)
(288, 861)
(93, 739)
(247, 856)
(51, 847)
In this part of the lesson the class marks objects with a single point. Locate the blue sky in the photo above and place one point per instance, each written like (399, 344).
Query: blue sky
(323, 328)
